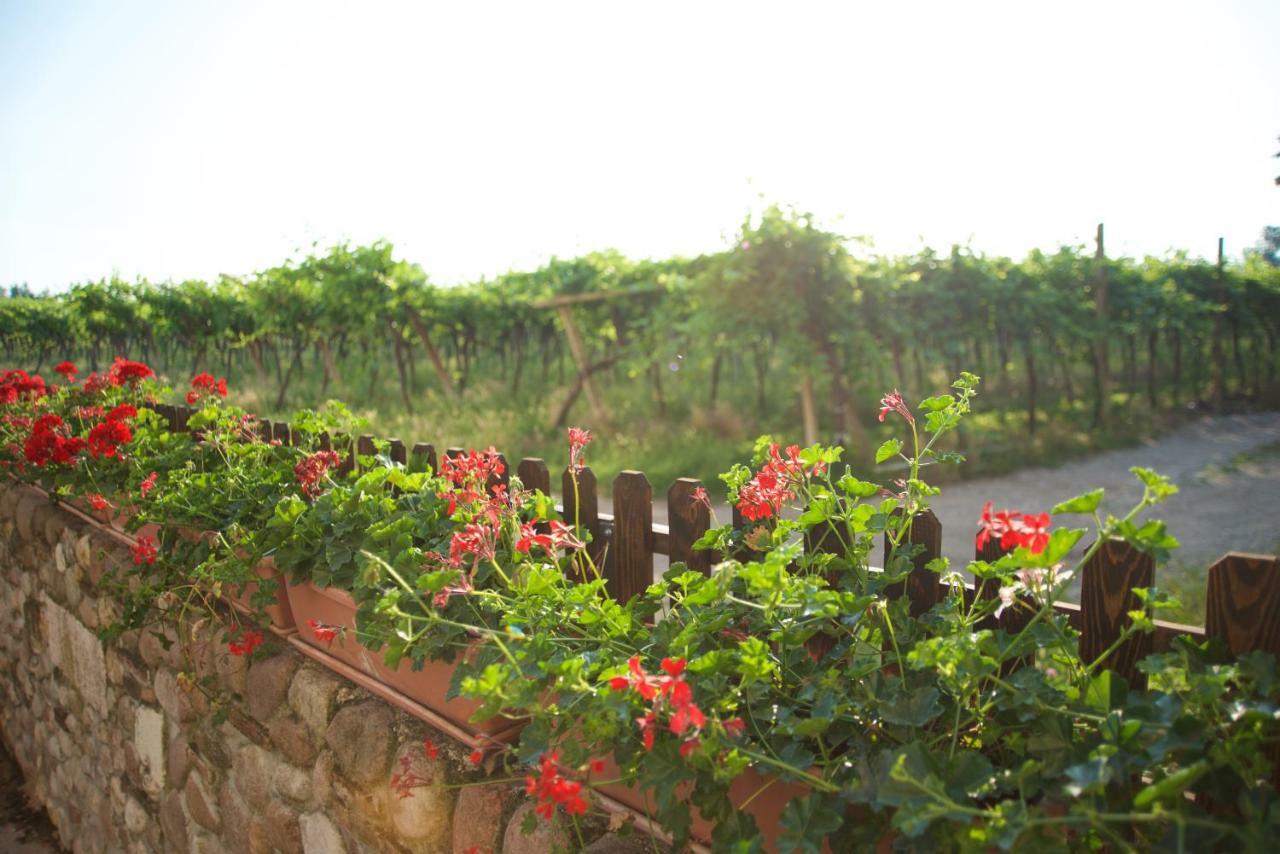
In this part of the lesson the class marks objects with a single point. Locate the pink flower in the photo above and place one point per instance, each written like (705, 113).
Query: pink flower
(892, 402)
(148, 484)
(578, 440)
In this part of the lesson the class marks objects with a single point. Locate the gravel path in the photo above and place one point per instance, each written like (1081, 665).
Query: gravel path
(1227, 469)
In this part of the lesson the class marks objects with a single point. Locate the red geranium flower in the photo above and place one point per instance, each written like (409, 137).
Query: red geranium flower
(67, 369)
(250, 640)
(144, 551)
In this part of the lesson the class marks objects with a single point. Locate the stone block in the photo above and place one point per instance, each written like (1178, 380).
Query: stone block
(148, 742)
(319, 836)
(312, 696)
(292, 738)
(201, 803)
(545, 838)
(173, 822)
(267, 683)
(361, 739)
(252, 769)
(480, 816)
(292, 784)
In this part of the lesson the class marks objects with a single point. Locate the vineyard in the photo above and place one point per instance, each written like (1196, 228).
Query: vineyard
(684, 361)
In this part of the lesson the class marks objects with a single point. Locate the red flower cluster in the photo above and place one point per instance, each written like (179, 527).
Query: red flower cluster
(478, 539)
(578, 439)
(311, 470)
(148, 484)
(892, 402)
(250, 640)
(204, 385)
(324, 632)
(670, 691)
(97, 502)
(775, 484)
(67, 369)
(16, 384)
(124, 371)
(469, 473)
(560, 536)
(551, 787)
(49, 442)
(1013, 529)
(144, 551)
(106, 438)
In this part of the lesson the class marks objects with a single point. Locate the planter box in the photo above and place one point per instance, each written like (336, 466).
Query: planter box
(240, 597)
(112, 520)
(763, 796)
(279, 612)
(426, 688)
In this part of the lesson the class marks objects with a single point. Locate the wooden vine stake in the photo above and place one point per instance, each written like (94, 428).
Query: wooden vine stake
(1106, 598)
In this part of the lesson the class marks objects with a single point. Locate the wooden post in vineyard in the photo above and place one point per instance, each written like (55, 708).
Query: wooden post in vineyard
(1219, 357)
(1100, 353)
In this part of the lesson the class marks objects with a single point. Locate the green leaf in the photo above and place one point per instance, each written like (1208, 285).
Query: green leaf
(891, 448)
(912, 708)
(806, 821)
(937, 403)
(1086, 503)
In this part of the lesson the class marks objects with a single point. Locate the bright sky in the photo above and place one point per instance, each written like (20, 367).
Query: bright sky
(179, 139)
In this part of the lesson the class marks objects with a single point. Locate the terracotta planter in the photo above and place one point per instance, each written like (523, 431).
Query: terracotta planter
(240, 597)
(427, 687)
(763, 796)
(279, 612)
(112, 520)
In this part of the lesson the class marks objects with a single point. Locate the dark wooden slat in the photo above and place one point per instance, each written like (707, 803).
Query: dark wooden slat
(533, 473)
(364, 446)
(1106, 597)
(397, 451)
(325, 442)
(582, 512)
(629, 569)
(687, 520)
(280, 431)
(424, 454)
(1243, 602)
(922, 587)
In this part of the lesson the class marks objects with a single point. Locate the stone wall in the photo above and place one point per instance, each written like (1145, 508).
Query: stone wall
(123, 747)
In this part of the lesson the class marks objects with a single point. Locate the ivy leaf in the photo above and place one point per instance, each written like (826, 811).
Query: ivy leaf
(891, 448)
(1086, 503)
(805, 822)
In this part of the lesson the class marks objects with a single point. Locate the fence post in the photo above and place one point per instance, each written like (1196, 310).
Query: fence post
(397, 452)
(629, 568)
(1243, 603)
(687, 521)
(424, 453)
(533, 474)
(582, 512)
(1106, 598)
(923, 588)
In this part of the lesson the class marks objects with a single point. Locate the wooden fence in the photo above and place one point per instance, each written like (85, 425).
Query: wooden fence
(1242, 603)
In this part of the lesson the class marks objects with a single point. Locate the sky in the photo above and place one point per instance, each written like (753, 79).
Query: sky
(179, 140)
